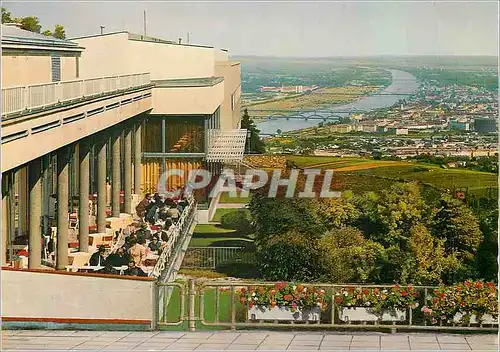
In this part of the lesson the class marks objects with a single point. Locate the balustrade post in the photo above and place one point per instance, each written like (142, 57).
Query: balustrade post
(26, 98)
(191, 303)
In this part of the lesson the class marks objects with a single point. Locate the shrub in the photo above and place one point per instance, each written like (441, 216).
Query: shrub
(295, 296)
(235, 220)
(470, 298)
(377, 298)
(291, 256)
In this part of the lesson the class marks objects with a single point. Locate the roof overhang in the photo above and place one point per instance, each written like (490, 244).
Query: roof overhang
(226, 145)
(194, 96)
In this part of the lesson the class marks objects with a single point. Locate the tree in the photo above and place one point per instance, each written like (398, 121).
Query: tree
(389, 217)
(59, 32)
(293, 256)
(338, 212)
(256, 143)
(429, 256)
(47, 32)
(347, 257)
(272, 217)
(30, 23)
(6, 16)
(457, 226)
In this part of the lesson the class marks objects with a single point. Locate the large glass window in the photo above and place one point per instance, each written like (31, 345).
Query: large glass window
(184, 136)
(151, 137)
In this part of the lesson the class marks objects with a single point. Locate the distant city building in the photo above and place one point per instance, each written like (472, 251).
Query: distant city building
(288, 89)
(485, 125)
(397, 130)
(459, 126)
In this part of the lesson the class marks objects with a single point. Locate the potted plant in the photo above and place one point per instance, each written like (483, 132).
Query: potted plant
(284, 301)
(375, 304)
(470, 302)
(16, 261)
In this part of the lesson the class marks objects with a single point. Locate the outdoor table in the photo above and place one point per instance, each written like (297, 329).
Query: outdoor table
(121, 269)
(79, 258)
(151, 259)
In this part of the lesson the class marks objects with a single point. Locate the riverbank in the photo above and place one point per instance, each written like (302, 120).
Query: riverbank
(403, 83)
(321, 98)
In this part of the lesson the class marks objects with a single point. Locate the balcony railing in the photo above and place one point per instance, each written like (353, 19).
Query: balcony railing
(21, 98)
(176, 234)
(219, 303)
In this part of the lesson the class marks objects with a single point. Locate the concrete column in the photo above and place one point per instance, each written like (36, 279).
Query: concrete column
(5, 219)
(101, 185)
(127, 171)
(115, 175)
(35, 214)
(137, 159)
(22, 194)
(83, 207)
(62, 208)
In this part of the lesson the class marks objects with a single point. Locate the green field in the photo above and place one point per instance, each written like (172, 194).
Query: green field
(361, 175)
(215, 236)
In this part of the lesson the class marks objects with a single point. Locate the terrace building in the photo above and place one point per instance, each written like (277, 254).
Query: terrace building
(111, 111)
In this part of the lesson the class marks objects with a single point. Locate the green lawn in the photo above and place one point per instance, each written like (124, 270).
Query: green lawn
(219, 212)
(209, 311)
(226, 198)
(215, 236)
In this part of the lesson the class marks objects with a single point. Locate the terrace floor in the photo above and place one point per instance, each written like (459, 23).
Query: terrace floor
(241, 341)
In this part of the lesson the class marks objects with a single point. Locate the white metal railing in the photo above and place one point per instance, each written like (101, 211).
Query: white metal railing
(225, 145)
(175, 233)
(16, 99)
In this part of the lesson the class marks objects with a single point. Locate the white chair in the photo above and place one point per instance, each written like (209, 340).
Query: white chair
(73, 221)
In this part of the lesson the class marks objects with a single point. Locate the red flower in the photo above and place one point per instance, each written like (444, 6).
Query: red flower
(396, 287)
(467, 283)
(410, 287)
(350, 289)
(404, 293)
(243, 290)
(478, 284)
(300, 287)
(243, 300)
(414, 294)
(365, 291)
(338, 299)
(375, 290)
(441, 295)
(288, 297)
(280, 285)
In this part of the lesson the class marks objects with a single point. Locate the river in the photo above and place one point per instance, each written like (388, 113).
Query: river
(402, 83)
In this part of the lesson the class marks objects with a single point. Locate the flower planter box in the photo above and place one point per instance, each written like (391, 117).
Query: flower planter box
(348, 314)
(485, 319)
(284, 314)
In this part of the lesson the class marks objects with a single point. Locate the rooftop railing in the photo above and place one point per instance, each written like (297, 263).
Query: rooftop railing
(36, 96)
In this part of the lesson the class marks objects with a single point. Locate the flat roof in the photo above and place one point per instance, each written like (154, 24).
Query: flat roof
(188, 82)
(144, 38)
(16, 36)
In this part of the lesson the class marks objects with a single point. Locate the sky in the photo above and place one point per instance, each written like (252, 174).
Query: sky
(290, 29)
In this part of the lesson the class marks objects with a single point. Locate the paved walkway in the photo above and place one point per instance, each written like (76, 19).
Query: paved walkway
(241, 341)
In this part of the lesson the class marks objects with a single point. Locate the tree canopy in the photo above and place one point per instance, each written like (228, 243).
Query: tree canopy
(256, 145)
(32, 24)
(393, 235)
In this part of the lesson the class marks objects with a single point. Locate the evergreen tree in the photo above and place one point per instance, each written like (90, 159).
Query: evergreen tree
(256, 144)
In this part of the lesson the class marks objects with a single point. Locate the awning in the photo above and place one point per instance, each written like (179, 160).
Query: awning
(226, 145)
